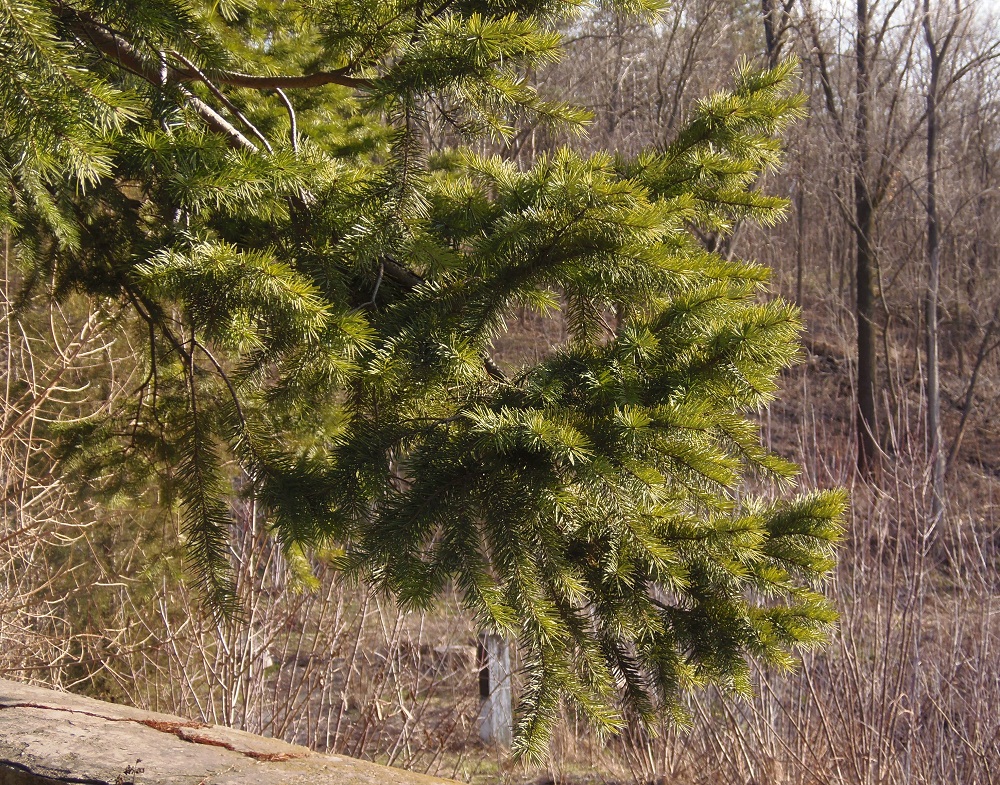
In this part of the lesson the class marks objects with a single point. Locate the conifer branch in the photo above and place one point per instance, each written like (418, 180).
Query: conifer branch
(410, 280)
(217, 122)
(291, 82)
(592, 505)
(119, 51)
(147, 312)
(224, 100)
(116, 47)
(226, 380)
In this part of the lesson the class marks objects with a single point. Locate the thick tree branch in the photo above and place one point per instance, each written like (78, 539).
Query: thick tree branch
(217, 122)
(160, 73)
(115, 46)
(224, 100)
(288, 82)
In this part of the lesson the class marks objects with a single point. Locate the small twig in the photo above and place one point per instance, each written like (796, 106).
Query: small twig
(378, 283)
(291, 116)
(228, 382)
(216, 121)
(224, 100)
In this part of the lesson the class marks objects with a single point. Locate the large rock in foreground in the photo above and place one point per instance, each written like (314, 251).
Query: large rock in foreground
(53, 737)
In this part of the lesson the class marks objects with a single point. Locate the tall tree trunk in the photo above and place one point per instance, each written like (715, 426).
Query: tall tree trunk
(864, 215)
(615, 98)
(935, 445)
(771, 41)
(800, 202)
(776, 16)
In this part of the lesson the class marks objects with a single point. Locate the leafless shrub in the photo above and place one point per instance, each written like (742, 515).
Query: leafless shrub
(46, 360)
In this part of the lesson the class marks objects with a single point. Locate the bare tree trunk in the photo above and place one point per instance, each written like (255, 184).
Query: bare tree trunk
(935, 444)
(615, 99)
(864, 213)
(800, 201)
(777, 19)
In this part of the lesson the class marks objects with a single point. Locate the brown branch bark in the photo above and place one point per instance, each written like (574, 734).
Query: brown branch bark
(116, 47)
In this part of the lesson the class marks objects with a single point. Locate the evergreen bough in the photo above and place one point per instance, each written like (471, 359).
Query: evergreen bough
(245, 185)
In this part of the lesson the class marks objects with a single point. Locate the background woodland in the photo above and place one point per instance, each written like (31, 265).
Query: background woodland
(891, 247)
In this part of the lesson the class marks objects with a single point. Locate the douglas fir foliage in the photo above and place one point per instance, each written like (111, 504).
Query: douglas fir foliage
(245, 185)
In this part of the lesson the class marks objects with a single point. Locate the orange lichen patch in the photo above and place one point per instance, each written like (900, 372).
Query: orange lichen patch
(270, 757)
(171, 727)
(207, 738)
